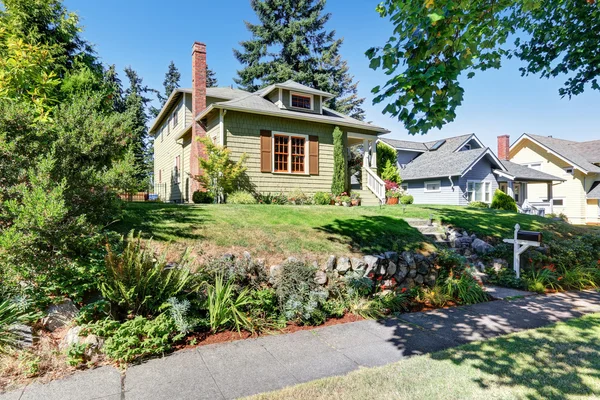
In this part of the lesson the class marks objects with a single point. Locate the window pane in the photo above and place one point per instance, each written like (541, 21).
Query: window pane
(281, 153)
(487, 192)
(300, 101)
(298, 149)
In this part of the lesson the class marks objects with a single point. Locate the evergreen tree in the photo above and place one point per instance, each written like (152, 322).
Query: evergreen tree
(211, 78)
(291, 42)
(339, 183)
(112, 81)
(170, 83)
(135, 105)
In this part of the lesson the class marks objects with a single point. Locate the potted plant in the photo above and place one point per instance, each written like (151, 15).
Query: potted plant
(355, 199)
(393, 195)
(345, 199)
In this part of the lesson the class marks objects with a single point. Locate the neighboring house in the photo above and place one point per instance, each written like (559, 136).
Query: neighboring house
(284, 129)
(456, 170)
(576, 163)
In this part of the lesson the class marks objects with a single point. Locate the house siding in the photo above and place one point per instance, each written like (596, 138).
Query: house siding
(447, 195)
(482, 171)
(572, 190)
(166, 149)
(243, 136)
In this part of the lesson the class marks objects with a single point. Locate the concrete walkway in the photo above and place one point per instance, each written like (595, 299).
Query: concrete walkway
(231, 370)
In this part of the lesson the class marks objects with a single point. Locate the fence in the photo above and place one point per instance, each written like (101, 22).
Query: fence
(158, 191)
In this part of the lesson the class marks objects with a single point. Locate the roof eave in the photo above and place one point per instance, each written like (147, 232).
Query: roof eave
(549, 150)
(164, 109)
(483, 154)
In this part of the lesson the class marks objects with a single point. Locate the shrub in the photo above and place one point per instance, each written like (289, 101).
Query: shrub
(538, 280)
(502, 201)
(13, 313)
(390, 172)
(270, 198)
(136, 338)
(264, 311)
(179, 311)
(339, 184)
(322, 199)
(407, 199)
(137, 283)
(390, 185)
(436, 296)
(385, 153)
(225, 307)
(200, 197)
(242, 271)
(478, 204)
(241, 197)
(465, 289)
(505, 277)
(298, 197)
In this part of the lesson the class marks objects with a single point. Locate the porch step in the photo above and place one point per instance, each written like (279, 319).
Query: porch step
(367, 198)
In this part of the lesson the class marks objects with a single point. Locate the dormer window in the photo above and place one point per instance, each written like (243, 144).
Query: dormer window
(302, 101)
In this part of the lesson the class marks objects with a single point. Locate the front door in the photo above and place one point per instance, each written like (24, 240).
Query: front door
(503, 187)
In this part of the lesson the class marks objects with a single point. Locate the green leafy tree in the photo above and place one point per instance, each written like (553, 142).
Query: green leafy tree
(291, 42)
(502, 201)
(385, 155)
(390, 172)
(339, 183)
(211, 78)
(434, 42)
(220, 175)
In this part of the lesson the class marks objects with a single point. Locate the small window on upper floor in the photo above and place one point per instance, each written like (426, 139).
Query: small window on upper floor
(301, 101)
(467, 147)
(569, 170)
(175, 118)
(536, 166)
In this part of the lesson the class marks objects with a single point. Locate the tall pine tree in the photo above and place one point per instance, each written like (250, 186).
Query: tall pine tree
(211, 78)
(136, 101)
(291, 42)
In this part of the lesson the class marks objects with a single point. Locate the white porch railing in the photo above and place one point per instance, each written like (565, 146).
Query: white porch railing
(537, 208)
(375, 184)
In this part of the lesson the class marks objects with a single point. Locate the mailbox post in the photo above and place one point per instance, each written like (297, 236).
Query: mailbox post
(521, 242)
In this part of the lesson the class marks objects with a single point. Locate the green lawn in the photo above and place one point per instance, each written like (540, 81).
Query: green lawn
(281, 231)
(557, 362)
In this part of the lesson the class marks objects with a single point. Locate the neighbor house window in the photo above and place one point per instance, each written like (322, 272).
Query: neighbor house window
(479, 191)
(558, 202)
(301, 101)
(404, 187)
(175, 118)
(434, 186)
(536, 166)
(569, 170)
(289, 153)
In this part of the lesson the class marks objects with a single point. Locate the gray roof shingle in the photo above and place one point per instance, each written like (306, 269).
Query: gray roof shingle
(405, 144)
(581, 154)
(522, 172)
(432, 164)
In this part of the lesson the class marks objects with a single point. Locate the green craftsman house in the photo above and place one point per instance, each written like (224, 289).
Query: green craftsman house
(284, 129)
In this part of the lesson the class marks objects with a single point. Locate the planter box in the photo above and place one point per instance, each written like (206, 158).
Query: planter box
(392, 200)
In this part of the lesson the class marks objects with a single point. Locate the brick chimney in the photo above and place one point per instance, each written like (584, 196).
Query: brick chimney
(503, 146)
(198, 105)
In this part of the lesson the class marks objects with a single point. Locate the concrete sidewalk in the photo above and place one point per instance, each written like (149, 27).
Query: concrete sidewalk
(231, 370)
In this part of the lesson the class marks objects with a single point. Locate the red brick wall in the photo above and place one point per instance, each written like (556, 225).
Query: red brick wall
(198, 105)
(503, 146)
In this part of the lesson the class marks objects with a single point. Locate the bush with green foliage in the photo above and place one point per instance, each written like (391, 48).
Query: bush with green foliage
(244, 272)
(340, 182)
(202, 197)
(407, 199)
(241, 197)
(137, 282)
(272, 198)
(385, 154)
(135, 338)
(478, 204)
(13, 313)
(502, 201)
(465, 289)
(390, 172)
(226, 308)
(322, 199)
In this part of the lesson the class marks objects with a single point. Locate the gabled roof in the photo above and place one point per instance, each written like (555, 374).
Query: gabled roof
(520, 172)
(435, 165)
(449, 145)
(581, 154)
(255, 103)
(405, 145)
(225, 93)
(594, 192)
(293, 86)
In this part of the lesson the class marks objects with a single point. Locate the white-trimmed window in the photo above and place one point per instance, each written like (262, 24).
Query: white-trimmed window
(304, 101)
(175, 118)
(290, 153)
(479, 191)
(569, 170)
(176, 169)
(558, 202)
(404, 186)
(433, 186)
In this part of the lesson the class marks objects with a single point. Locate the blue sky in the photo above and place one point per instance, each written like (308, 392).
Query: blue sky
(149, 34)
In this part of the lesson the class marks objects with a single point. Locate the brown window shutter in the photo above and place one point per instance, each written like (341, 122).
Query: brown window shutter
(313, 155)
(265, 151)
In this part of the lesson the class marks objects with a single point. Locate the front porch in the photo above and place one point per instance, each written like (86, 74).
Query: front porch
(515, 183)
(369, 185)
